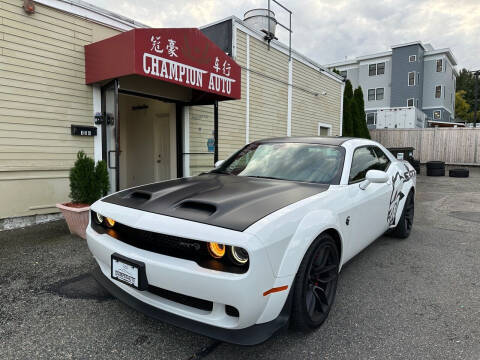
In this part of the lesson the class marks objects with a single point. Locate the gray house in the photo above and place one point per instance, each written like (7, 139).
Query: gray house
(409, 75)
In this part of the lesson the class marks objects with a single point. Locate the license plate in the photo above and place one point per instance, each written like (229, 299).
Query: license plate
(126, 272)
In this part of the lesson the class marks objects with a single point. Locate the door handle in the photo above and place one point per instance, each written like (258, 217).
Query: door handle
(108, 159)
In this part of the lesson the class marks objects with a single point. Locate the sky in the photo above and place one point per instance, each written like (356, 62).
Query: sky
(332, 30)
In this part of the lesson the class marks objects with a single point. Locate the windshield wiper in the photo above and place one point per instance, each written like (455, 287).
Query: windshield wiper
(263, 177)
(218, 172)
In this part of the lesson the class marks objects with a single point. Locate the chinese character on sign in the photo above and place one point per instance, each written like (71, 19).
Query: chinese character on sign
(216, 67)
(171, 48)
(226, 68)
(156, 44)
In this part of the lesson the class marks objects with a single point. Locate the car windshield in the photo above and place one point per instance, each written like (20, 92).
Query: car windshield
(287, 161)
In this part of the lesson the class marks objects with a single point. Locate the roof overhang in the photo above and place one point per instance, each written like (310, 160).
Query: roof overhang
(182, 56)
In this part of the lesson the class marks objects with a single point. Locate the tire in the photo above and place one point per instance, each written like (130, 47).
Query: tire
(414, 162)
(315, 284)
(435, 172)
(405, 224)
(459, 173)
(435, 165)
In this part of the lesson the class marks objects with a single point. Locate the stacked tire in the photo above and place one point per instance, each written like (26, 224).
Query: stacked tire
(459, 173)
(416, 165)
(435, 168)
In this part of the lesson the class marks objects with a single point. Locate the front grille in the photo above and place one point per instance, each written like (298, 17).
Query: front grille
(169, 245)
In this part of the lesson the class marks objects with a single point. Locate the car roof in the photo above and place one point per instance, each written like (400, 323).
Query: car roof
(321, 140)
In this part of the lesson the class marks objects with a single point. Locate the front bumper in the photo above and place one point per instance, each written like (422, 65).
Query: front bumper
(252, 335)
(185, 277)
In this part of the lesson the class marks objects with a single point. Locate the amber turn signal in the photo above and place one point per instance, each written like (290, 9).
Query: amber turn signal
(109, 222)
(216, 250)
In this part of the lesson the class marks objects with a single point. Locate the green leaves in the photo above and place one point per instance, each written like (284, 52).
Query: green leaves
(88, 182)
(354, 118)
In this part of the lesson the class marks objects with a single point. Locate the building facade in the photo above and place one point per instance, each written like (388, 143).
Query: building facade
(409, 75)
(146, 128)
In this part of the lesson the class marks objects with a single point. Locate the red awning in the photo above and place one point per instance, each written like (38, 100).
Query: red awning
(181, 56)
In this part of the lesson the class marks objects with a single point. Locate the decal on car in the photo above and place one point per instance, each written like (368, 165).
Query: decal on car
(397, 183)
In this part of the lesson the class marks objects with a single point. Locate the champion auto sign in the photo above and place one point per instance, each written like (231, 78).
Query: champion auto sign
(181, 56)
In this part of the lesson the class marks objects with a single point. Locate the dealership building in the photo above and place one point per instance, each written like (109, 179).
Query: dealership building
(153, 103)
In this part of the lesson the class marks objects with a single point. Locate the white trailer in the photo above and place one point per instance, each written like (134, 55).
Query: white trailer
(400, 118)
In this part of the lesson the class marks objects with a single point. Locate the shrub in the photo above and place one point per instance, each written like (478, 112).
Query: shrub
(88, 182)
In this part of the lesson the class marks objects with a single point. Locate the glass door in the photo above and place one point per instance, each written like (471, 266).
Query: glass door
(111, 133)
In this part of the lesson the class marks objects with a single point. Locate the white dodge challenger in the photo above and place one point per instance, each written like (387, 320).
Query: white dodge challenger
(255, 244)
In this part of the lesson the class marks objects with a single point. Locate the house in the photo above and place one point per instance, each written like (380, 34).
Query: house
(412, 75)
(155, 104)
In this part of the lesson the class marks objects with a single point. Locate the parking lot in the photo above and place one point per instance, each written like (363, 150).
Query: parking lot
(399, 299)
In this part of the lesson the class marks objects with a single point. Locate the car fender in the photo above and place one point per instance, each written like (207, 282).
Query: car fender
(407, 180)
(312, 225)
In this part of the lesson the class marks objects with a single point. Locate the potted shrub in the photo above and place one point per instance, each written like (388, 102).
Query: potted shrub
(88, 183)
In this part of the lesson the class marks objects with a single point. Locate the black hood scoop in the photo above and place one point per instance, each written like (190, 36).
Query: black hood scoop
(232, 202)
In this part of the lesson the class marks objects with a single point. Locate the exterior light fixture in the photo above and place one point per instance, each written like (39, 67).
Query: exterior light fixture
(29, 6)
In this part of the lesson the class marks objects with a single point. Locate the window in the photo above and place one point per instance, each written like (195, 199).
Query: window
(437, 114)
(376, 69)
(412, 58)
(376, 94)
(411, 78)
(438, 91)
(367, 158)
(287, 161)
(381, 68)
(410, 102)
(371, 118)
(379, 93)
(324, 129)
(343, 73)
(383, 161)
(439, 65)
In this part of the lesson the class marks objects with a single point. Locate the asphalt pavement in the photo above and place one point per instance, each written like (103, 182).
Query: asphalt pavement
(399, 299)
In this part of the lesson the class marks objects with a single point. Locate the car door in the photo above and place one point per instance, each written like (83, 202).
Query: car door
(368, 207)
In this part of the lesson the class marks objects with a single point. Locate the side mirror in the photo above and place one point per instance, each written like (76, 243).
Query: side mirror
(374, 177)
(219, 163)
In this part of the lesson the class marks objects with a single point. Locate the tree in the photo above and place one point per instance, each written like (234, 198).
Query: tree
(462, 107)
(347, 109)
(466, 82)
(359, 119)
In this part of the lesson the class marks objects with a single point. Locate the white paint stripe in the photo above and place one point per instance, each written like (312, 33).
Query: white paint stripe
(341, 109)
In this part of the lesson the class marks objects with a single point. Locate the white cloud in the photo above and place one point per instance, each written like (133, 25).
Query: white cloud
(330, 30)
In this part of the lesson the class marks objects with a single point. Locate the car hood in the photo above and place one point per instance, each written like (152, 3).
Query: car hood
(232, 202)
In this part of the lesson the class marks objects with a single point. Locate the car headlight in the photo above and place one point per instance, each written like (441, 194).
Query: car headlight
(98, 218)
(238, 255)
(216, 250)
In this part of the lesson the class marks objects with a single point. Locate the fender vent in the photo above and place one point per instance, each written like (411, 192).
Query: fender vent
(199, 206)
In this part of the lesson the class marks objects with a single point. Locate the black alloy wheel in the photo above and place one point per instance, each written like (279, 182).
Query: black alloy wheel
(316, 284)
(409, 213)
(405, 224)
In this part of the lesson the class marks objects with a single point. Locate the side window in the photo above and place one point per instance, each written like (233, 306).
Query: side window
(383, 161)
(364, 159)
